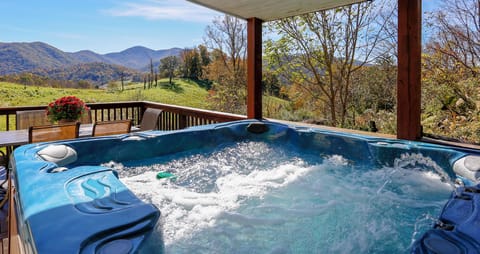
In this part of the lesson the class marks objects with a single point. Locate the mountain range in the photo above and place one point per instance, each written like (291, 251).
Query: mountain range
(39, 57)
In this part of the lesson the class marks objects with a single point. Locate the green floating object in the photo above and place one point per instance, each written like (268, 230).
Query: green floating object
(162, 175)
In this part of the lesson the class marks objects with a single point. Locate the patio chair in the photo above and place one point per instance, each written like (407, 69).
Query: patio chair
(111, 127)
(3, 161)
(53, 132)
(27, 118)
(150, 119)
(86, 118)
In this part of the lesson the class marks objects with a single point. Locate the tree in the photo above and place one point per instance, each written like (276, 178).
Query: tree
(204, 56)
(374, 96)
(122, 80)
(457, 33)
(112, 86)
(191, 64)
(151, 76)
(450, 71)
(322, 51)
(84, 84)
(226, 37)
(168, 66)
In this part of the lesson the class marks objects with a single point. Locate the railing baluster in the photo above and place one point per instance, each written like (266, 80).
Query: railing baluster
(8, 122)
(169, 121)
(182, 121)
(172, 118)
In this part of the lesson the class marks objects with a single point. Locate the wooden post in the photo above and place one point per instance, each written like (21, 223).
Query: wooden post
(409, 68)
(254, 68)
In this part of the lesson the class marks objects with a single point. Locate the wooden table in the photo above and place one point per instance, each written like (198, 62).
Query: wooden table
(20, 137)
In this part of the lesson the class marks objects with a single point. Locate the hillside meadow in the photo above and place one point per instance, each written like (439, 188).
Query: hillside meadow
(184, 93)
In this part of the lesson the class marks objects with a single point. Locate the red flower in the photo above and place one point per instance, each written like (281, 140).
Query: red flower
(67, 107)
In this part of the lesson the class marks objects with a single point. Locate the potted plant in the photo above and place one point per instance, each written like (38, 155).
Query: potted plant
(66, 109)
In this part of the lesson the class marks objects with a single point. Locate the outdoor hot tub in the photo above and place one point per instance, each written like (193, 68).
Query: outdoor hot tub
(246, 187)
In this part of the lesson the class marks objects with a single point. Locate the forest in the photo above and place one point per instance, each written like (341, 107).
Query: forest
(338, 67)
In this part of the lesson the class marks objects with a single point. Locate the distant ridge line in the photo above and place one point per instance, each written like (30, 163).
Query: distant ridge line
(17, 57)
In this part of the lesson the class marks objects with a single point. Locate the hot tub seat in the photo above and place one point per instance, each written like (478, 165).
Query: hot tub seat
(457, 229)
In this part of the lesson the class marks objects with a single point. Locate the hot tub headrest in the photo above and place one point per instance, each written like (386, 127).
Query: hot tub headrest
(257, 128)
(468, 167)
(59, 154)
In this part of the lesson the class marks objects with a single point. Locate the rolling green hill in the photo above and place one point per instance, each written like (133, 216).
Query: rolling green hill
(17, 57)
(20, 57)
(184, 93)
(95, 73)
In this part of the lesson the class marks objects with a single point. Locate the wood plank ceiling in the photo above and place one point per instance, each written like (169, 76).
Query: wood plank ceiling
(268, 10)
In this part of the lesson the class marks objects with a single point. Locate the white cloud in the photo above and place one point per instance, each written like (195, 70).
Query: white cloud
(163, 9)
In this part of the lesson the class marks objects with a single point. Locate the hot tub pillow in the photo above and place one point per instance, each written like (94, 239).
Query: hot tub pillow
(59, 154)
(468, 167)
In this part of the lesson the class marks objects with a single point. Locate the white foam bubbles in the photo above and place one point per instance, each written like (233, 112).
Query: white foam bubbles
(184, 211)
(279, 200)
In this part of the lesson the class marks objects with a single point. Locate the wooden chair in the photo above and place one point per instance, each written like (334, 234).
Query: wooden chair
(53, 132)
(86, 118)
(3, 160)
(150, 119)
(27, 118)
(111, 127)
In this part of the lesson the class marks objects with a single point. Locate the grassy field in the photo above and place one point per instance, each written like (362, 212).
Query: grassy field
(184, 93)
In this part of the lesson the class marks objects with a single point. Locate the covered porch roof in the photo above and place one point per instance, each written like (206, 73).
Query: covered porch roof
(409, 50)
(268, 10)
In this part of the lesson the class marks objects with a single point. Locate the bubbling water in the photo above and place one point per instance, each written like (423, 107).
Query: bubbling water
(270, 198)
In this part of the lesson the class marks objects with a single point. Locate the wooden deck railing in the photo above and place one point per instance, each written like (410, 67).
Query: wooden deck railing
(172, 117)
(176, 117)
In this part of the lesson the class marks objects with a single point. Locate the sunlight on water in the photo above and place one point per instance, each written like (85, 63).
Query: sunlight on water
(254, 197)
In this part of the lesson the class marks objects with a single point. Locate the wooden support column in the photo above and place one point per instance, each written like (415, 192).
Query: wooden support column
(409, 68)
(254, 68)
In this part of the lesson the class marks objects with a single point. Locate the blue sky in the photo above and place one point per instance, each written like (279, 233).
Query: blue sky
(104, 25)
(108, 25)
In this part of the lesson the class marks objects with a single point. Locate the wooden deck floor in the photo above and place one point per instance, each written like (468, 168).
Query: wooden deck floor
(4, 228)
(8, 222)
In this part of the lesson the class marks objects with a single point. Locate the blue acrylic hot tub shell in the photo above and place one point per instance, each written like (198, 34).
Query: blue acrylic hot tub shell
(86, 210)
(91, 211)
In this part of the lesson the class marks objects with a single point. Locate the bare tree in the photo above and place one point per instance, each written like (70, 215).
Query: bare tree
(122, 79)
(227, 38)
(319, 52)
(151, 77)
(228, 35)
(457, 33)
(388, 19)
(451, 71)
